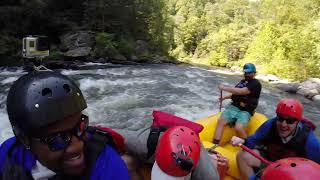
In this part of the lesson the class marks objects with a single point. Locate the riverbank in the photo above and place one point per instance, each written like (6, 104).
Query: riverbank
(310, 88)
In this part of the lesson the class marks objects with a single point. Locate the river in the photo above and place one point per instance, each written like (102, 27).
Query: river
(123, 97)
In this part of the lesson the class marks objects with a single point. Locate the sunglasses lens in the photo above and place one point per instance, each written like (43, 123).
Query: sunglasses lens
(288, 121)
(62, 140)
(59, 142)
(291, 121)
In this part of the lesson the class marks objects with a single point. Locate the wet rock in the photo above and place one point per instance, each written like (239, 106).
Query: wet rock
(267, 77)
(316, 99)
(290, 88)
(309, 88)
(78, 52)
(133, 58)
(73, 40)
(119, 57)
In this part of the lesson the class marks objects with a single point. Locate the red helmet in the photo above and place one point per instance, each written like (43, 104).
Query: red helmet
(292, 169)
(178, 151)
(290, 107)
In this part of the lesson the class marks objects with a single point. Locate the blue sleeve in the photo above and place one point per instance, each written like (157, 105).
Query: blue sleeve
(109, 165)
(260, 135)
(312, 148)
(4, 148)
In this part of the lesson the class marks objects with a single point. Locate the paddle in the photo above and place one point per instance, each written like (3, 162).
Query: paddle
(220, 107)
(256, 155)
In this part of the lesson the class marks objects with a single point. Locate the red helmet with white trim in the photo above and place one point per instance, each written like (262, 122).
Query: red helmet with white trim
(290, 107)
(292, 169)
(178, 151)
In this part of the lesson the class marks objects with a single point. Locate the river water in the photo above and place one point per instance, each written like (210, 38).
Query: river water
(124, 97)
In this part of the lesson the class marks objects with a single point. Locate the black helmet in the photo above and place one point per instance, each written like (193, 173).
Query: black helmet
(39, 99)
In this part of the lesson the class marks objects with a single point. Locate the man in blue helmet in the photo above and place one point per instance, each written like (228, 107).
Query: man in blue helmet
(52, 137)
(245, 96)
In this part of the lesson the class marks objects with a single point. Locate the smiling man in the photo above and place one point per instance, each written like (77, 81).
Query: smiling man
(52, 137)
(286, 135)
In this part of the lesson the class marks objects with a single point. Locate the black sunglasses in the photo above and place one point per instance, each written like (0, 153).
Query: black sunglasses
(61, 140)
(247, 73)
(288, 120)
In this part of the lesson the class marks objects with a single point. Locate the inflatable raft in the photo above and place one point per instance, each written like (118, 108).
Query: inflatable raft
(226, 149)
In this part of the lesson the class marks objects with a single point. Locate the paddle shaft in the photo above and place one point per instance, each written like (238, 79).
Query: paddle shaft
(220, 101)
(245, 148)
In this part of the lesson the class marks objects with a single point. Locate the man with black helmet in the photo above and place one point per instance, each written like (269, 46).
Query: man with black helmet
(245, 97)
(52, 137)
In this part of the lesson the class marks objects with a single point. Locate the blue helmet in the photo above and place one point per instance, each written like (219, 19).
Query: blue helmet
(249, 68)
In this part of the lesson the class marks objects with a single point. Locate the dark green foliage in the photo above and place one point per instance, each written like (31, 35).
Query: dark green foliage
(125, 46)
(132, 19)
(55, 55)
(104, 45)
(281, 37)
(10, 51)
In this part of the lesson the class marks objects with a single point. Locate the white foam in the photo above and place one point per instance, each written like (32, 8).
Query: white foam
(5, 127)
(9, 80)
(18, 71)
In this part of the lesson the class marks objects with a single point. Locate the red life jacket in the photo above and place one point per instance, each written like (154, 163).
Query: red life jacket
(116, 137)
(163, 121)
(276, 149)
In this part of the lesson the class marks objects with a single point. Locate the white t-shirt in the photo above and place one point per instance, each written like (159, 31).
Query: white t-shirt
(158, 174)
(40, 172)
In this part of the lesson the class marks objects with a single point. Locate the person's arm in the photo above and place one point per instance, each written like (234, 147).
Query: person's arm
(257, 138)
(260, 135)
(234, 90)
(226, 97)
(312, 148)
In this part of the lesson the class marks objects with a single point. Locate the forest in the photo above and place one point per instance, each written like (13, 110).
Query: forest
(281, 37)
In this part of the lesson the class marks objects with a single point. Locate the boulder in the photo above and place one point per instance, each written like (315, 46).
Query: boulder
(290, 88)
(119, 57)
(78, 52)
(267, 77)
(316, 98)
(73, 40)
(309, 88)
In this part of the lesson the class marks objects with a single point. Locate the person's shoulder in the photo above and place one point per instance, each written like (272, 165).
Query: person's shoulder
(312, 137)
(256, 81)
(268, 123)
(109, 165)
(109, 152)
(7, 143)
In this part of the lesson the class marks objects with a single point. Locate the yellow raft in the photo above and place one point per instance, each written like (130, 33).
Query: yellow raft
(226, 149)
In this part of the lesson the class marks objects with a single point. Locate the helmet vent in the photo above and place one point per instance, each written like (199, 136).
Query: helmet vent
(293, 164)
(47, 92)
(278, 166)
(182, 129)
(67, 88)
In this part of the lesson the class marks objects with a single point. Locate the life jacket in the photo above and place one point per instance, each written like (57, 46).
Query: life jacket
(245, 102)
(163, 121)
(18, 167)
(275, 149)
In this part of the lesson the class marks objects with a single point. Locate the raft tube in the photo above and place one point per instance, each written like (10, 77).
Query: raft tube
(226, 149)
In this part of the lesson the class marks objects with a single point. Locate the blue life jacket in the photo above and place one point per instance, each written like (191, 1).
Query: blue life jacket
(16, 162)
